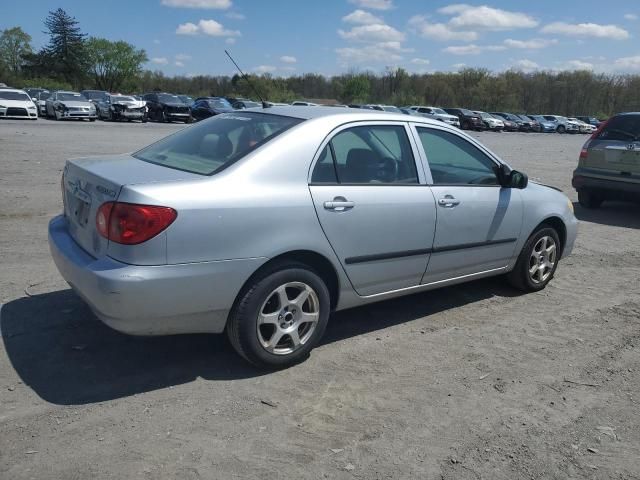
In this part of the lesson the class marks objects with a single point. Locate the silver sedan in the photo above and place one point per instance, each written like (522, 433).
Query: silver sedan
(262, 222)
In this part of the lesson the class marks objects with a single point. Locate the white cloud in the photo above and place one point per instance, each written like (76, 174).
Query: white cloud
(183, 57)
(288, 59)
(532, 44)
(361, 17)
(458, 66)
(439, 31)
(576, 65)
(230, 41)
(487, 18)
(179, 64)
(376, 53)
(235, 16)
(631, 16)
(374, 4)
(202, 4)
(473, 49)
(420, 61)
(206, 27)
(265, 69)
(160, 60)
(526, 65)
(378, 32)
(627, 63)
(586, 30)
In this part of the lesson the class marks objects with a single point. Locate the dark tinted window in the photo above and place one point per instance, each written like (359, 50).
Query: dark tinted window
(623, 128)
(455, 161)
(374, 155)
(208, 147)
(324, 171)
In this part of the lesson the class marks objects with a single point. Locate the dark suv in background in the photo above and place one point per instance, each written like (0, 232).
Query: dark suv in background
(166, 107)
(468, 119)
(609, 164)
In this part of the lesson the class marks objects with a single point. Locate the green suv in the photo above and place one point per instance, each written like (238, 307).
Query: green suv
(609, 165)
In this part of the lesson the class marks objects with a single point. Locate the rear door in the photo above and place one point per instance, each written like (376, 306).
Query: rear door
(478, 221)
(617, 147)
(373, 206)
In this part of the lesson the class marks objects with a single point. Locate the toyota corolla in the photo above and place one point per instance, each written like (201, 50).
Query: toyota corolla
(260, 223)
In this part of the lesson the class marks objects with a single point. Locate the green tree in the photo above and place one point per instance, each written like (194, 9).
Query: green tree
(15, 44)
(356, 89)
(65, 52)
(111, 64)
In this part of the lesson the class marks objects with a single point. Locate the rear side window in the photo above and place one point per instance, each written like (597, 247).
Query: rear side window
(208, 147)
(368, 155)
(623, 127)
(455, 161)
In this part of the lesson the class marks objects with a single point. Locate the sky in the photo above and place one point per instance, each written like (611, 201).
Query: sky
(287, 37)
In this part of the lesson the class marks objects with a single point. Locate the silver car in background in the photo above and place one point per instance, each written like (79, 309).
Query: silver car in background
(62, 105)
(437, 114)
(261, 223)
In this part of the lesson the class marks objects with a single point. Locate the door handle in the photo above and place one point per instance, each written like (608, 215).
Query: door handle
(339, 204)
(449, 201)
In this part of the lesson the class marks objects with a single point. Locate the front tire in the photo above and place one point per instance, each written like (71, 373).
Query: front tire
(279, 316)
(561, 129)
(537, 262)
(589, 199)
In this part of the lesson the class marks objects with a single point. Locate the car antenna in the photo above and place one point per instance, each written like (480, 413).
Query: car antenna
(264, 104)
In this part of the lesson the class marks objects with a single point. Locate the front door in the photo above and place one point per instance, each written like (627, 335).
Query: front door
(377, 216)
(478, 221)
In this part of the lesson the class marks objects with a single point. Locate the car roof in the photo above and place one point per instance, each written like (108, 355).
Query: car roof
(18, 90)
(348, 114)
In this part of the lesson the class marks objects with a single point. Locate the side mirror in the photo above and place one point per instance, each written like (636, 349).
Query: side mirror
(511, 178)
(518, 179)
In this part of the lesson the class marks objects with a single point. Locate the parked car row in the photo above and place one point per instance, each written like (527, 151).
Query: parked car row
(168, 107)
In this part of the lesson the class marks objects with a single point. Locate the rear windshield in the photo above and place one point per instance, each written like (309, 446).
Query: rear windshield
(14, 96)
(210, 146)
(622, 127)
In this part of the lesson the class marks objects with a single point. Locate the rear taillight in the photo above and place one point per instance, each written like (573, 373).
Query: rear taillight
(130, 223)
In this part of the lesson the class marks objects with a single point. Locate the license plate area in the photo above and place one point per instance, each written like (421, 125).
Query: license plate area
(78, 205)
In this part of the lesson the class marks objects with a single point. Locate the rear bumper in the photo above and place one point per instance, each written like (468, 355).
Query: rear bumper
(612, 187)
(150, 300)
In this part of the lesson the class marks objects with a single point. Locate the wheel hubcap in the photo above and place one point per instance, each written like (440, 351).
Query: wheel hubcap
(288, 318)
(542, 260)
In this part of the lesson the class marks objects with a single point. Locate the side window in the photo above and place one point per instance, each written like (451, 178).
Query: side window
(454, 161)
(374, 155)
(324, 171)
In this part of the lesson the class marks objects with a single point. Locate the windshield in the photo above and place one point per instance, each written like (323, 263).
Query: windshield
(439, 111)
(68, 96)
(44, 95)
(467, 112)
(211, 146)
(220, 103)
(120, 98)
(14, 96)
(166, 98)
(484, 115)
(94, 95)
(185, 99)
(391, 108)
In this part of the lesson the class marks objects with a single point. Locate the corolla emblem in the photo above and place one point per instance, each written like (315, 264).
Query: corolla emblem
(78, 192)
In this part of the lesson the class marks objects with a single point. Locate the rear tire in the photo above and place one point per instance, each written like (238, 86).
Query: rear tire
(561, 129)
(589, 199)
(537, 262)
(279, 316)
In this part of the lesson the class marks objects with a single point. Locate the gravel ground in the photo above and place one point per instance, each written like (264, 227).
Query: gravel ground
(469, 382)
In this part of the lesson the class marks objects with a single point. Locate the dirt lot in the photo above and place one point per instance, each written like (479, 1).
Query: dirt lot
(469, 382)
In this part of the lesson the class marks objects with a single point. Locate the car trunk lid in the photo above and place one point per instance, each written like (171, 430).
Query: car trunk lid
(90, 182)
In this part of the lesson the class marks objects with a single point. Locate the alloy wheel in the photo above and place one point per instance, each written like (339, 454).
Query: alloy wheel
(288, 318)
(542, 259)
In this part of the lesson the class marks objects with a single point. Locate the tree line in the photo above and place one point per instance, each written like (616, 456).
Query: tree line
(74, 60)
